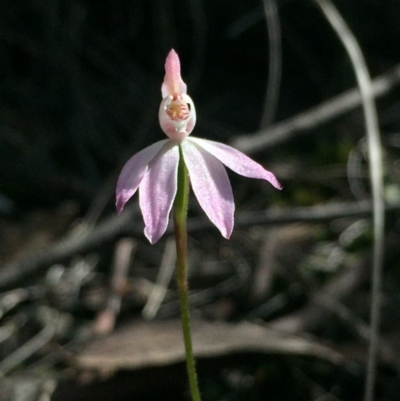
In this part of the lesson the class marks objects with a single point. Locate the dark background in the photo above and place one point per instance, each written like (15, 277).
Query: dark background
(80, 89)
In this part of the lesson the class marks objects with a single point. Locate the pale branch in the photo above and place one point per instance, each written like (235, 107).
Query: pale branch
(125, 224)
(314, 117)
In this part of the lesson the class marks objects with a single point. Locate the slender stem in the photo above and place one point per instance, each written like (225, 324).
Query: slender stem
(180, 217)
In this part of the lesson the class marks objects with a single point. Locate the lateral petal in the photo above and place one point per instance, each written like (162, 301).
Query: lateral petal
(211, 186)
(133, 173)
(237, 161)
(157, 191)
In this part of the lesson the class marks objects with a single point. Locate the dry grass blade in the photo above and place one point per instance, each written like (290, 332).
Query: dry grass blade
(375, 165)
(275, 62)
(163, 279)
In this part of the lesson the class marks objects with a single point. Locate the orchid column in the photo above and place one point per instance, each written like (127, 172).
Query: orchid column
(162, 173)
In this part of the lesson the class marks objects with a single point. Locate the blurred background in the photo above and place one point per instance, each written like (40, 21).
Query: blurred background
(88, 308)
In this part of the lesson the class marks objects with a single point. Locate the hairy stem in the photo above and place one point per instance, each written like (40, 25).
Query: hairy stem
(180, 217)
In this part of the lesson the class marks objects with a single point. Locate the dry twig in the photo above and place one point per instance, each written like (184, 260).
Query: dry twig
(123, 224)
(307, 121)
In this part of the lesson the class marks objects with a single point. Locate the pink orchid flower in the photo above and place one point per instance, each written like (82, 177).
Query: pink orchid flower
(154, 169)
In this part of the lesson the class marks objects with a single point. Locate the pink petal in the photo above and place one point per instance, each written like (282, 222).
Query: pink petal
(237, 161)
(133, 172)
(211, 186)
(173, 84)
(157, 191)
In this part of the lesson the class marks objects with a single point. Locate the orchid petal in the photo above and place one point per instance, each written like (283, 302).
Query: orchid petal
(173, 84)
(133, 173)
(157, 191)
(211, 186)
(237, 161)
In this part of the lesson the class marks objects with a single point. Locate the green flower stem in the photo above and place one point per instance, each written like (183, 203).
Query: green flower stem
(180, 217)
